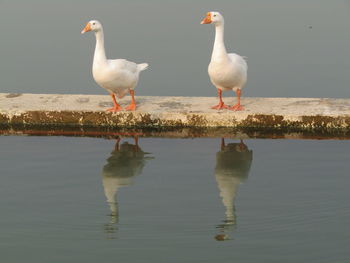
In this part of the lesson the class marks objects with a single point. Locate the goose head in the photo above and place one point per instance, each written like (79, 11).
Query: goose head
(92, 25)
(213, 18)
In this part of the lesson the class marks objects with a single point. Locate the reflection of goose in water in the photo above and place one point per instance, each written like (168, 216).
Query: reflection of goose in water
(126, 161)
(233, 163)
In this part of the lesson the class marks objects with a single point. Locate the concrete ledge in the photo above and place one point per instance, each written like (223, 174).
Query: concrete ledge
(155, 112)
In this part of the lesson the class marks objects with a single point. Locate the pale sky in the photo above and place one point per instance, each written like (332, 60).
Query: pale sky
(294, 48)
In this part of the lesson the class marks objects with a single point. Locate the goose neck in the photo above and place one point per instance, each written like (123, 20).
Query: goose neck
(100, 54)
(219, 50)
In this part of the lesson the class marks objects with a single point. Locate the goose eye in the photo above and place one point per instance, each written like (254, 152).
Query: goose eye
(214, 15)
(93, 23)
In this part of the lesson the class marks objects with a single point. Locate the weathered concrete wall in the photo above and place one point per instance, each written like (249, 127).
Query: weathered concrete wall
(155, 112)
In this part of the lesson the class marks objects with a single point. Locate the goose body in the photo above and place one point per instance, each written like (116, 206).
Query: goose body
(226, 71)
(117, 76)
(230, 74)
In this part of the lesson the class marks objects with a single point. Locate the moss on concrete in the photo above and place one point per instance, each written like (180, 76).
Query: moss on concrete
(196, 120)
(262, 120)
(130, 119)
(321, 122)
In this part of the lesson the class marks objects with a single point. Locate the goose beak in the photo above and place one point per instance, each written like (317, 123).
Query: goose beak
(87, 28)
(207, 19)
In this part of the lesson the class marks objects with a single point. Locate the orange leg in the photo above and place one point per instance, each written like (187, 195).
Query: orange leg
(222, 144)
(116, 107)
(238, 105)
(132, 105)
(116, 148)
(136, 140)
(221, 104)
(242, 146)
(136, 146)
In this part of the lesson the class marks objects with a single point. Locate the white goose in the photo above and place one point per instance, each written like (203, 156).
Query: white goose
(117, 76)
(226, 71)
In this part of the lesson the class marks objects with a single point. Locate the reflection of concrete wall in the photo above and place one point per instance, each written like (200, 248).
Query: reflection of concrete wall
(233, 163)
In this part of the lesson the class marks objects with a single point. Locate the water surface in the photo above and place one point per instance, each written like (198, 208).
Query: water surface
(173, 200)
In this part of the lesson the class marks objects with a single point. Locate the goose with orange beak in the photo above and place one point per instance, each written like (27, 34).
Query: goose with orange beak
(117, 76)
(226, 71)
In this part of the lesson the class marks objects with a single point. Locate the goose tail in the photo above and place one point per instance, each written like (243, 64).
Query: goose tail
(142, 67)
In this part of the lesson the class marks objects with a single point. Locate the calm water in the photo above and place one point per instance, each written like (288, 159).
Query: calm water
(173, 200)
(295, 48)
